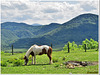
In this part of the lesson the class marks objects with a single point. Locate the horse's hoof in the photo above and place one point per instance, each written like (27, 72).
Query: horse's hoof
(31, 63)
(50, 63)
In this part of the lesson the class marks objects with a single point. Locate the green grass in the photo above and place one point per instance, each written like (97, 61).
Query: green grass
(16, 50)
(23, 50)
(42, 66)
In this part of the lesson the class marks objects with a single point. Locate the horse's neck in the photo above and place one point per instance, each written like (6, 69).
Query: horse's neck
(29, 51)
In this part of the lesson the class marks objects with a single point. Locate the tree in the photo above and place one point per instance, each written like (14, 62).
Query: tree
(90, 44)
(72, 46)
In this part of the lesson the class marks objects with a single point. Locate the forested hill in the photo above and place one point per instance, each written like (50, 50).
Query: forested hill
(77, 29)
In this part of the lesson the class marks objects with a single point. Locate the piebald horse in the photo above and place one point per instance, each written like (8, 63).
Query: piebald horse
(38, 50)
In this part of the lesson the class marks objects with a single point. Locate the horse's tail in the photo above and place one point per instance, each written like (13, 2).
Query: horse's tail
(50, 50)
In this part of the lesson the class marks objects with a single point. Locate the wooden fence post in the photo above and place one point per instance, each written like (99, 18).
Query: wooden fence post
(85, 47)
(12, 49)
(68, 48)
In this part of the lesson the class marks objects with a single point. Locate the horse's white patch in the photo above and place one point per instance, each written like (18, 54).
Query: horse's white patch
(36, 49)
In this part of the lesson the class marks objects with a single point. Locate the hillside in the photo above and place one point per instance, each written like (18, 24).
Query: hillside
(36, 24)
(77, 29)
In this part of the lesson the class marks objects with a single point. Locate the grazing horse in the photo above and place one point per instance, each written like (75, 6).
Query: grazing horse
(38, 50)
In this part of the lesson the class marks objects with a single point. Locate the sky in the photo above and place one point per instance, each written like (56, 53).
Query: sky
(45, 11)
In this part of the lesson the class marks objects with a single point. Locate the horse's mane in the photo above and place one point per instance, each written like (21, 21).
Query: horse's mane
(30, 49)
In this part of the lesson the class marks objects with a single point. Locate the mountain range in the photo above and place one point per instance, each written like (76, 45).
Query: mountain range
(22, 35)
(36, 24)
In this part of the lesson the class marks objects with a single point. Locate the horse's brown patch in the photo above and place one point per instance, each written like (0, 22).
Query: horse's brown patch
(32, 53)
(43, 51)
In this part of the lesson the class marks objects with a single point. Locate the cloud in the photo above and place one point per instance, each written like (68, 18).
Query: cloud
(50, 10)
(89, 5)
(45, 12)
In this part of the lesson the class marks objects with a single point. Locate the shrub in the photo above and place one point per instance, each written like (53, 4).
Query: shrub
(15, 58)
(21, 57)
(55, 60)
(90, 44)
(2, 52)
(72, 46)
(64, 58)
(3, 63)
(10, 60)
(18, 62)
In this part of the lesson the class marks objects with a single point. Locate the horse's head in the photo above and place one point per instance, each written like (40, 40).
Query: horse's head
(26, 60)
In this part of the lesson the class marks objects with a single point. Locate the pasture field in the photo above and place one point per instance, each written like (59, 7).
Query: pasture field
(42, 66)
(24, 50)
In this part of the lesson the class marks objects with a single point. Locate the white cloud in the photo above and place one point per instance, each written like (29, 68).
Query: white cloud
(45, 12)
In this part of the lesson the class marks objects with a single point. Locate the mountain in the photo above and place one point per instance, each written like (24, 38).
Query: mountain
(36, 24)
(77, 29)
(12, 31)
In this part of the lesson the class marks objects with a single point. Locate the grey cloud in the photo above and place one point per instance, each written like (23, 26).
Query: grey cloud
(43, 12)
(59, 16)
(14, 5)
(88, 8)
(50, 10)
(6, 7)
(23, 17)
(36, 18)
(21, 6)
(73, 2)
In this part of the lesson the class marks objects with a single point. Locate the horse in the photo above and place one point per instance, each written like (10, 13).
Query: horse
(38, 50)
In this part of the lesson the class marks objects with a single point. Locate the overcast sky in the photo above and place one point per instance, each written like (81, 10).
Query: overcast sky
(45, 12)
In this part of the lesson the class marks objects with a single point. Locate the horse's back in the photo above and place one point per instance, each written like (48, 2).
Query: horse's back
(45, 46)
(38, 49)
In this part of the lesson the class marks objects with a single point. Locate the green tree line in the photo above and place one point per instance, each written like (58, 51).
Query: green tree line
(90, 44)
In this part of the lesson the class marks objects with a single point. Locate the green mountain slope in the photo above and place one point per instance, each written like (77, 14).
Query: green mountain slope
(77, 29)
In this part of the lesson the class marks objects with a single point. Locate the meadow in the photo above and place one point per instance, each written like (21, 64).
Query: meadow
(43, 67)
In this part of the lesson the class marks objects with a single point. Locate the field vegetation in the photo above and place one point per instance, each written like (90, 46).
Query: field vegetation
(14, 64)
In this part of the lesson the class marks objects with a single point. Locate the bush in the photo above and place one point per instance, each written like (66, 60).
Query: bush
(55, 60)
(10, 60)
(90, 44)
(2, 52)
(21, 57)
(64, 58)
(72, 46)
(18, 62)
(3, 63)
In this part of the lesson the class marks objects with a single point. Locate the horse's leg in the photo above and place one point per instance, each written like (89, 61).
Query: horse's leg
(34, 59)
(49, 54)
(50, 58)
